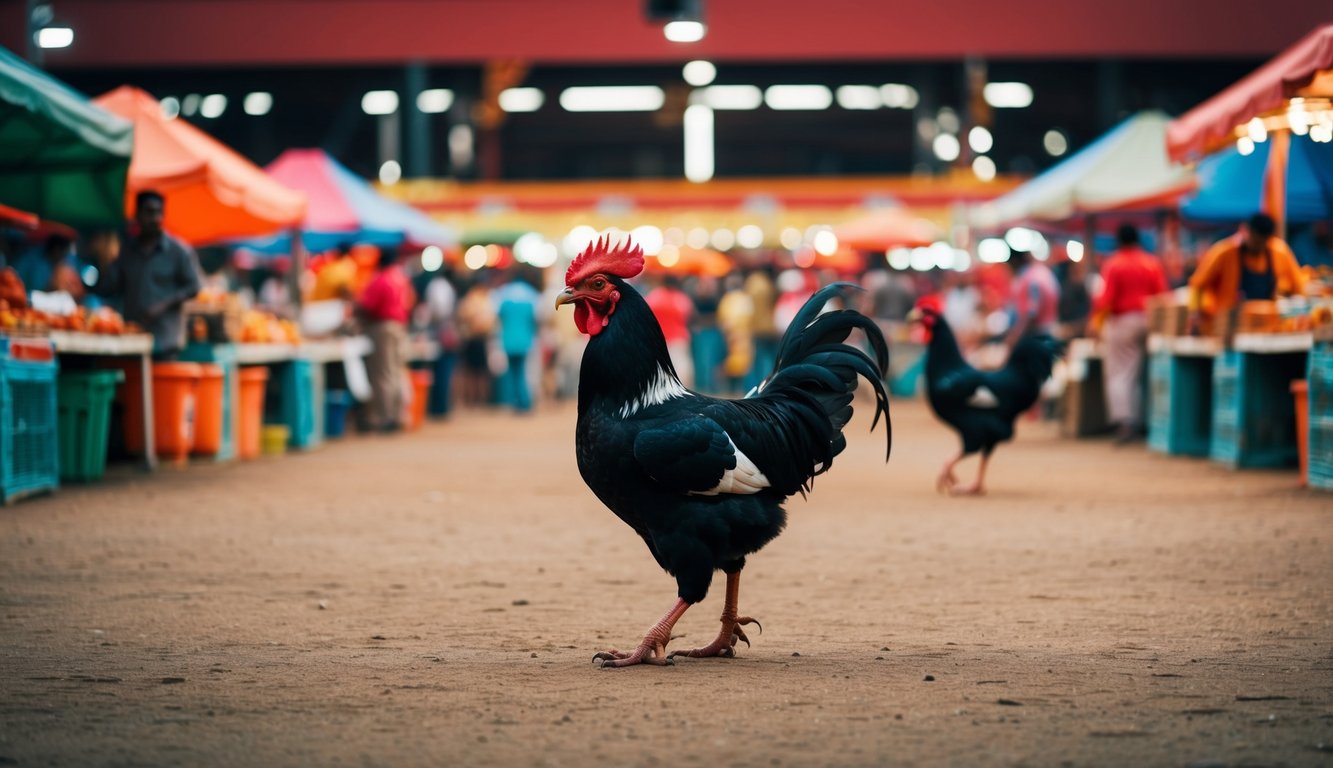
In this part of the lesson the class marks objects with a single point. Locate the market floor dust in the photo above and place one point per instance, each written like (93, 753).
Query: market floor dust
(436, 599)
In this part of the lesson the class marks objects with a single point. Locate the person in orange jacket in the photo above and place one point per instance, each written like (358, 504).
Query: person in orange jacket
(1251, 265)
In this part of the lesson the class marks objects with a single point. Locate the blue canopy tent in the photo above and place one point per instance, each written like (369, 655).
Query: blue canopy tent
(1231, 185)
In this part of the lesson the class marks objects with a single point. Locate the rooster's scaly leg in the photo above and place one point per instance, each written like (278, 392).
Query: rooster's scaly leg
(725, 643)
(653, 648)
(946, 481)
(978, 488)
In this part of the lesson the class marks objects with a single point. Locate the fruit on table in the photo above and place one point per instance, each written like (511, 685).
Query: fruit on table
(12, 291)
(259, 327)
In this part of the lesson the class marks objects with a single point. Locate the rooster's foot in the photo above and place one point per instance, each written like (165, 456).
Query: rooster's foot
(945, 482)
(971, 490)
(725, 644)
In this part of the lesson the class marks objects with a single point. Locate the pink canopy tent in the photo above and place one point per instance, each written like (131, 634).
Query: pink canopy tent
(886, 228)
(1304, 70)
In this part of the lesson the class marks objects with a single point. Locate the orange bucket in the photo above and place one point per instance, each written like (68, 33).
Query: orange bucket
(1301, 390)
(250, 424)
(175, 406)
(421, 381)
(208, 414)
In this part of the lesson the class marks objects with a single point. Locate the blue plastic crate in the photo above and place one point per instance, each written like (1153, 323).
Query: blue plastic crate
(1180, 404)
(1321, 453)
(1320, 377)
(29, 431)
(1254, 413)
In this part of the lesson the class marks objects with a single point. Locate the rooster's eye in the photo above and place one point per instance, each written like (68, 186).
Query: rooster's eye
(598, 284)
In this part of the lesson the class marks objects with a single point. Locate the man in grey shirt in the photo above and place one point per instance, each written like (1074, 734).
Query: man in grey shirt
(154, 275)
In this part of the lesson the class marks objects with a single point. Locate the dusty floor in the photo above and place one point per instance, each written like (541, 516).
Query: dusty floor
(436, 599)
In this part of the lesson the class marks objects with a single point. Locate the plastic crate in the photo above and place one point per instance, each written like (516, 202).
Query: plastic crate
(83, 407)
(29, 450)
(1321, 453)
(298, 409)
(1180, 404)
(1320, 377)
(1254, 413)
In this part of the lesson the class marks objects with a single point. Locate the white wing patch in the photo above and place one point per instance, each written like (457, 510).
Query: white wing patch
(983, 398)
(744, 479)
(662, 388)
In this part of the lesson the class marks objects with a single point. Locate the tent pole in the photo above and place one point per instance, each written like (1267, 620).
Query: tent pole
(1274, 200)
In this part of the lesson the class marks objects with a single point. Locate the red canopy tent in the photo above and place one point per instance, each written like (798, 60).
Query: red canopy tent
(1303, 71)
(15, 216)
(212, 192)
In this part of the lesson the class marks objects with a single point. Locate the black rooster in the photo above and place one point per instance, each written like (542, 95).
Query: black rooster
(980, 405)
(703, 480)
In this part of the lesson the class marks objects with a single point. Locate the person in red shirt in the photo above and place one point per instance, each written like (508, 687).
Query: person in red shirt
(384, 306)
(1131, 275)
(674, 309)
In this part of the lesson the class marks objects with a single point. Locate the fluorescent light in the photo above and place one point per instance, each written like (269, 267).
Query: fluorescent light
(723, 239)
(899, 96)
(948, 120)
(522, 99)
(699, 73)
(1256, 130)
(900, 258)
(859, 97)
(684, 31)
(922, 260)
(615, 98)
(993, 250)
(258, 103)
(984, 168)
(946, 147)
(1055, 143)
(649, 238)
(697, 238)
(435, 101)
(792, 97)
(379, 102)
(579, 237)
(698, 143)
(390, 173)
(213, 105)
(1007, 95)
(728, 97)
(1245, 145)
(432, 258)
(1074, 249)
(171, 107)
(825, 242)
(475, 257)
(55, 37)
(750, 236)
(190, 104)
(980, 140)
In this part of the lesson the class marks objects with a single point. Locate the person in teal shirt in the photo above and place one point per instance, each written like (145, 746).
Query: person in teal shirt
(516, 309)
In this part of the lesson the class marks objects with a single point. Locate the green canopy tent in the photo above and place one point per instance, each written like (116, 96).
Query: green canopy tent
(61, 157)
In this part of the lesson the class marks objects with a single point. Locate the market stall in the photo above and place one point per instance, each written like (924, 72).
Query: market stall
(212, 192)
(1180, 385)
(62, 157)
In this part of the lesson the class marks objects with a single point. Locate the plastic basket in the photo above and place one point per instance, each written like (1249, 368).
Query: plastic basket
(1321, 453)
(83, 403)
(336, 405)
(29, 450)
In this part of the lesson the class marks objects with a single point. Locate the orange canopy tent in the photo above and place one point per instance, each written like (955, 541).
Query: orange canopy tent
(20, 218)
(683, 260)
(884, 229)
(1304, 71)
(212, 192)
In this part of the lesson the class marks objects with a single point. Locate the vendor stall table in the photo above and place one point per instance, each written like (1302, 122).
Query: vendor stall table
(129, 345)
(1254, 413)
(1180, 403)
(300, 380)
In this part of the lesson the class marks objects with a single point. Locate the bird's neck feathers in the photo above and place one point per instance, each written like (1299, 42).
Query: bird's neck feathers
(942, 350)
(626, 367)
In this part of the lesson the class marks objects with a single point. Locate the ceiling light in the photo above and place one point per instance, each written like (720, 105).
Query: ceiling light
(980, 140)
(379, 102)
(699, 73)
(859, 97)
(993, 250)
(946, 147)
(699, 152)
(432, 258)
(213, 105)
(522, 99)
(794, 97)
(728, 97)
(899, 96)
(750, 236)
(1007, 95)
(1055, 143)
(258, 103)
(55, 37)
(616, 98)
(435, 101)
(984, 168)
(390, 173)
(171, 107)
(684, 31)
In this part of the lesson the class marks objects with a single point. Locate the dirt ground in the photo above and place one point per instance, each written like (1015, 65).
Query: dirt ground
(436, 599)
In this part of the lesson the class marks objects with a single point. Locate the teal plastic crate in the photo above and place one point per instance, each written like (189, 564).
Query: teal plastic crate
(1254, 413)
(29, 439)
(300, 406)
(223, 355)
(1320, 378)
(1321, 452)
(1180, 404)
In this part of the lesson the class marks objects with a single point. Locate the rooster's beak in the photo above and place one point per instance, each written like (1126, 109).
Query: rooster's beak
(915, 316)
(564, 297)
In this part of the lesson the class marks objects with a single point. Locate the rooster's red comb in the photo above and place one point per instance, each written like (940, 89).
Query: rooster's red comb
(624, 260)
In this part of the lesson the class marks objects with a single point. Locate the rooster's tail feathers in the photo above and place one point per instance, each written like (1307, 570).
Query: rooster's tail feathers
(814, 360)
